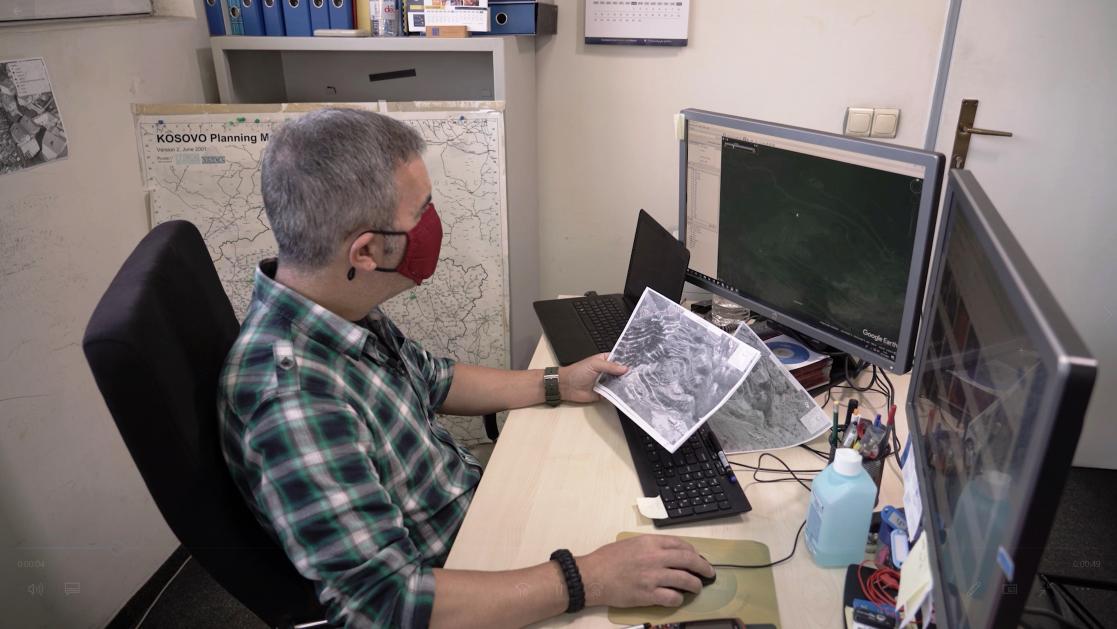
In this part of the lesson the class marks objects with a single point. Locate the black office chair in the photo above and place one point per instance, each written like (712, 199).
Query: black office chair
(156, 343)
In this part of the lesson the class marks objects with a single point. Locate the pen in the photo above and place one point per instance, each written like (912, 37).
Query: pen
(834, 428)
(852, 406)
(724, 461)
(876, 422)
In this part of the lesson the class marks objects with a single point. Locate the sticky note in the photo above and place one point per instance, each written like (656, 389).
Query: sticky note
(651, 508)
(915, 580)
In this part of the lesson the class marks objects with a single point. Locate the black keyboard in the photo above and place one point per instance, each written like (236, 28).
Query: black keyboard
(604, 319)
(693, 482)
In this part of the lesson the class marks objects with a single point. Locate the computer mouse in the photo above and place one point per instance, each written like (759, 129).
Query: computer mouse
(705, 579)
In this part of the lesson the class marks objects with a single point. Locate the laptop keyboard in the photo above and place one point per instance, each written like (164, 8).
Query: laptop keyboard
(690, 480)
(604, 320)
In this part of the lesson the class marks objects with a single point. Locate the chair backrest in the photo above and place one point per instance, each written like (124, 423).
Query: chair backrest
(156, 344)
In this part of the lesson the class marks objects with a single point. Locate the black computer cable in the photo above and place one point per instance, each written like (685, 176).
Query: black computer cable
(771, 470)
(777, 562)
(1060, 594)
(818, 453)
(787, 469)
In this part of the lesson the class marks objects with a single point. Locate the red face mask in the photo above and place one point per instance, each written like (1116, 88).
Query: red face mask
(420, 253)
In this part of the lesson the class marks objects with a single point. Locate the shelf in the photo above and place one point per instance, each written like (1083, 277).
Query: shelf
(356, 44)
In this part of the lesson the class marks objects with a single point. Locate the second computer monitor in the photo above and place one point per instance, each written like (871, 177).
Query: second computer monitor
(826, 234)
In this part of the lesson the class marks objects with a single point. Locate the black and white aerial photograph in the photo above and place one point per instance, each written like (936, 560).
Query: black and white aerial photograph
(31, 131)
(771, 410)
(680, 369)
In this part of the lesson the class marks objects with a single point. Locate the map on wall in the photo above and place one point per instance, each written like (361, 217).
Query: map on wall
(201, 163)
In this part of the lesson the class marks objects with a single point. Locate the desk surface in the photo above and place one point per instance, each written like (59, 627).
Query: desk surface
(562, 478)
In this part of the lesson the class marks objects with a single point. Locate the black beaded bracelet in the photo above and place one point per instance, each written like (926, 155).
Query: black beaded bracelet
(574, 588)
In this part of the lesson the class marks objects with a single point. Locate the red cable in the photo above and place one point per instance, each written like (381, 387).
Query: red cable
(881, 587)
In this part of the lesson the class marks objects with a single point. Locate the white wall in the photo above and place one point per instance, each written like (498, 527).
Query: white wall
(71, 499)
(1053, 184)
(606, 140)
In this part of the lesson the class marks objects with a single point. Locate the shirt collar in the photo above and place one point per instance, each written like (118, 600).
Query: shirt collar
(315, 321)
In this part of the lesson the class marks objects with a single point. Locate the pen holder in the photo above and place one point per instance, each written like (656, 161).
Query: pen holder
(874, 467)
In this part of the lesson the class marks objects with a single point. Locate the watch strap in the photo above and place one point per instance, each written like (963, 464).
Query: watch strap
(551, 386)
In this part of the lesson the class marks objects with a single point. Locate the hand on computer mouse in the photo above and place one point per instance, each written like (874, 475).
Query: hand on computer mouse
(643, 570)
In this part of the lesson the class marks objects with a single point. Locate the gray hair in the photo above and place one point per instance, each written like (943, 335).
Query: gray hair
(329, 173)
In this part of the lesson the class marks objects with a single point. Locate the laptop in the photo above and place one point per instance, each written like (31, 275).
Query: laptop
(584, 326)
(692, 482)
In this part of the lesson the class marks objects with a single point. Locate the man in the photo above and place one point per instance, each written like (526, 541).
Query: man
(328, 412)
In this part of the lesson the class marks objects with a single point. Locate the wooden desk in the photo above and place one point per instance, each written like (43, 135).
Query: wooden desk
(563, 478)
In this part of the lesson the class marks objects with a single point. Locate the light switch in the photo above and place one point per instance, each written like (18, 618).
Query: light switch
(859, 120)
(885, 122)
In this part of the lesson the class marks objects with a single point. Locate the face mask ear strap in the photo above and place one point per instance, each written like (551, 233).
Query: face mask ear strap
(406, 244)
(351, 274)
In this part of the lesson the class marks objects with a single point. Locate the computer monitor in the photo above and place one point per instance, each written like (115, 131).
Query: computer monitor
(825, 234)
(995, 406)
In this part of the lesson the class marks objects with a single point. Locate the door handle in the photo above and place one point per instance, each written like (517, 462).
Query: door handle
(966, 130)
(978, 131)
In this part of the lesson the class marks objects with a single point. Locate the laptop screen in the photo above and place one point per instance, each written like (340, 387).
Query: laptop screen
(658, 261)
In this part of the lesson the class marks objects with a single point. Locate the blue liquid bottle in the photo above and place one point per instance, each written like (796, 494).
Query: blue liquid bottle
(842, 499)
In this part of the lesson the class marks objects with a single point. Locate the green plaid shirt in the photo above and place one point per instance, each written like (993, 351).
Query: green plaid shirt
(329, 430)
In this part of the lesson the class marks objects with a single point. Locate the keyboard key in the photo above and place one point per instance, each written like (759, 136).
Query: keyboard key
(685, 511)
(667, 494)
(683, 503)
(705, 508)
(723, 505)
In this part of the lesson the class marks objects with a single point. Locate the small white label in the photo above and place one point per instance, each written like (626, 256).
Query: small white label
(652, 508)
(815, 420)
(740, 358)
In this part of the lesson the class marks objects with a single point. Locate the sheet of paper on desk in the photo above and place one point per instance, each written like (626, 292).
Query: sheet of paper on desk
(681, 369)
(770, 410)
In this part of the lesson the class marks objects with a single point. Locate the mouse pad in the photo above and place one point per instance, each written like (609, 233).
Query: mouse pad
(745, 593)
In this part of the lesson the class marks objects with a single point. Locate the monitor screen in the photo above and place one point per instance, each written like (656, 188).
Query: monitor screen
(825, 234)
(988, 412)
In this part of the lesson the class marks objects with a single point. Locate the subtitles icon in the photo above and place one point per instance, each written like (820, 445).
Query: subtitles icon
(71, 587)
(35, 589)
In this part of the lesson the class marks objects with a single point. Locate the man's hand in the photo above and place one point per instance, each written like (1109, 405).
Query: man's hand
(644, 570)
(576, 381)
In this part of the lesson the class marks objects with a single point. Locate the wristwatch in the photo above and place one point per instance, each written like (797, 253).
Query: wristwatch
(551, 386)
